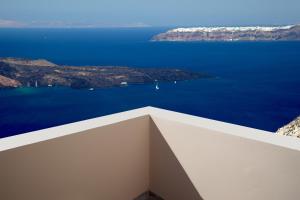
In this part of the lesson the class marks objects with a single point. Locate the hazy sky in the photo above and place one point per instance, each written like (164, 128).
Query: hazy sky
(148, 12)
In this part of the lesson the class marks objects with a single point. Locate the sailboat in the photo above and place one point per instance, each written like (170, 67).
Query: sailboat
(36, 84)
(156, 86)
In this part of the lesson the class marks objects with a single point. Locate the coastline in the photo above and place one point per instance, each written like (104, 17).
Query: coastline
(16, 72)
(231, 34)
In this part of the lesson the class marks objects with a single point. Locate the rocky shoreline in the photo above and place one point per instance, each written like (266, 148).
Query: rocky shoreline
(16, 72)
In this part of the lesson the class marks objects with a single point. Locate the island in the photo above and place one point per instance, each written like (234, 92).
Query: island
(255, 33)
(17, 72)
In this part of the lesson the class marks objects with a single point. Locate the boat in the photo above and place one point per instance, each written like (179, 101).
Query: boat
(124, 83)
(91, 89)
(156, 86)
(36, 84)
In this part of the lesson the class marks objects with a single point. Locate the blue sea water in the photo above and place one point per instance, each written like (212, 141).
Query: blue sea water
(257, 84)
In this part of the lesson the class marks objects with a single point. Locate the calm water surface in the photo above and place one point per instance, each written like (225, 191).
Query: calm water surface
(257, 84)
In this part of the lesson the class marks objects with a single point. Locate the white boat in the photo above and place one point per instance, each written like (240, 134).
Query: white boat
(124, 83)
(49, 85)
(175, 82)
(36, 84)
(91, 89)
(156, 86)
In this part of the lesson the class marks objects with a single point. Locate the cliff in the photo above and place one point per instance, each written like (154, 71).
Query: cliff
(279, 33)
(291, 129)
(31, 73)
(8, 83)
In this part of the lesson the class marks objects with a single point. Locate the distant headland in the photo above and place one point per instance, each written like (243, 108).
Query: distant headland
(255, 33)
(16, 72)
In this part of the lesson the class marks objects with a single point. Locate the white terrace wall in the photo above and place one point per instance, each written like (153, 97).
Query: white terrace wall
(230, 167)
(105, 163)
(176, 156)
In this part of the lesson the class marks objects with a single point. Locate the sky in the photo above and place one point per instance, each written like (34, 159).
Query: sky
(143, 13)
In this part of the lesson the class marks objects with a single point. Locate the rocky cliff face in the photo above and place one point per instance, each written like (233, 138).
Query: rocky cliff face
(291, 129)
(280, 33)
(8, 83)
(42, 73)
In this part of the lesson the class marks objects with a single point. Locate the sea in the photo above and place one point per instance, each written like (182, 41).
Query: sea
(255, 84)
